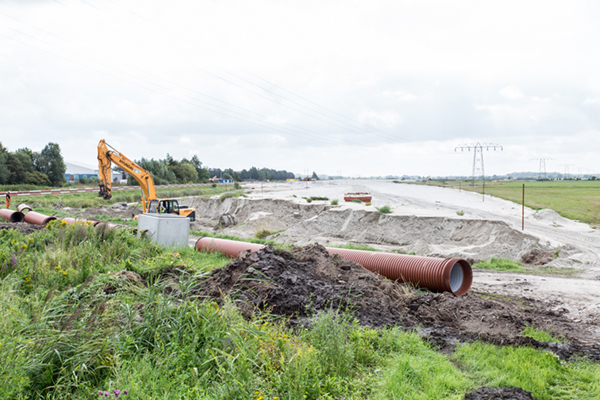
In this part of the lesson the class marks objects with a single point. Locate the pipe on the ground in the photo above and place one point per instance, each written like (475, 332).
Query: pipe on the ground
(450, 274)
(24, 208)
(12, 215)
(35, 218)
(438, 274)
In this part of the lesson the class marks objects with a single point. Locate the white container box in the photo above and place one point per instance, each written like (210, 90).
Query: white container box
(165, 229)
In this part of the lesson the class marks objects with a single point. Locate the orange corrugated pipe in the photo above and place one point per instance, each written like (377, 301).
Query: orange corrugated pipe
(11, 215)
(438, 274)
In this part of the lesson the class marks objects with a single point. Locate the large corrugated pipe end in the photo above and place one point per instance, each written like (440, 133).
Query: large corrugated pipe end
(460, 276)
(11, 215)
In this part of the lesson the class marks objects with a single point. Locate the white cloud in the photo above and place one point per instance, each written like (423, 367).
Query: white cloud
(511, 93)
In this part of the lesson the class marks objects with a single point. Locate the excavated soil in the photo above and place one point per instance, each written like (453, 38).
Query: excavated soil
(508, 393)
(22, 227)
(306, 281)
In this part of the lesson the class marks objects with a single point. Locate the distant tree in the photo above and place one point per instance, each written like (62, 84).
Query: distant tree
(185, 172)
(37, 178)
(203, 174)
(4, 171)
(314, 176)
(52, 164)
(253, 173)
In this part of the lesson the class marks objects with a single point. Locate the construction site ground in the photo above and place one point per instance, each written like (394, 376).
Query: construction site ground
(426, 221)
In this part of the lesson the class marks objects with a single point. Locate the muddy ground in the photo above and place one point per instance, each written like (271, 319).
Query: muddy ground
(24, 228)
(300, 284)
(509, 393)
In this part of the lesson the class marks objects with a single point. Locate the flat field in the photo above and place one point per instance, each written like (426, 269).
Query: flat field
(578, 200)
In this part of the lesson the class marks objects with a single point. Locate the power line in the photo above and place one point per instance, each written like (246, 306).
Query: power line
(371, 129)
(542, 173)
(153, 90)
(478, 169)
(311, 134)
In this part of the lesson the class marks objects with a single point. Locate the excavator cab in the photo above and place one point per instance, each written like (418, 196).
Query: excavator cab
(170, 206)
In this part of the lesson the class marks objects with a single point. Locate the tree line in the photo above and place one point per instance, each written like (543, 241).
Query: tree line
(24, 166)
(47, 168)
(170, 171)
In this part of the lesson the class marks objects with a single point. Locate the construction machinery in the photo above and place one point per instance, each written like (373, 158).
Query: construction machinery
(150, 202)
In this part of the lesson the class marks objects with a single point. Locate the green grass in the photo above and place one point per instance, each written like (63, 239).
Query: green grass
(384, 209)
(231, 194)
(89, 200)
(578, 200)
(501, 264)
(70, 327)
(541, 336)
(354, 246)
(507, 265)
(231, 237)
(542, 373)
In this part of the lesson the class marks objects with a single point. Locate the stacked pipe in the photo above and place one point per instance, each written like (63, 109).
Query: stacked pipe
(33, 217)
(450, 274)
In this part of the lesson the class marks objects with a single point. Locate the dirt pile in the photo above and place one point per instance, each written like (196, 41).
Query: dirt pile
(537, 257)
(306, 281)
(508, 393)
(446, 320)
(118, 210)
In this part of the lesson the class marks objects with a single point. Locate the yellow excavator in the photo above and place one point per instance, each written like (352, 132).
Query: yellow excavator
(150, 203)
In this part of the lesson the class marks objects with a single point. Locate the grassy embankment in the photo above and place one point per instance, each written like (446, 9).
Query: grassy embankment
(578, 200)
(70, 327)
(88, 200)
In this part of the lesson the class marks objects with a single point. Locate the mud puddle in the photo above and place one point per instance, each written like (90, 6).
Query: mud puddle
(306, 281)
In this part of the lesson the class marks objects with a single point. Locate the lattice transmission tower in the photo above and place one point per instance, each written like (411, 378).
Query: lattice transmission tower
(478, 169)
(542, 173)
(567, 174)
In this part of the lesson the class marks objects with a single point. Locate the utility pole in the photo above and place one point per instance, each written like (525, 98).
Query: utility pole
(542, 173)
(478, 169)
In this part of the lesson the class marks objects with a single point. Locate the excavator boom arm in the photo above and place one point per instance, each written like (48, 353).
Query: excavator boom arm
(107, 155)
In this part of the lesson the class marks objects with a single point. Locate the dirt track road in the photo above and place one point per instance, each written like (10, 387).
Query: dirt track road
(579, 243)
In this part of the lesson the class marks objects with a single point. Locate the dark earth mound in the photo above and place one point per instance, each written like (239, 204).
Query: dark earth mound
(508, 393)
(307, 280)
(537, 257)
(22, 227)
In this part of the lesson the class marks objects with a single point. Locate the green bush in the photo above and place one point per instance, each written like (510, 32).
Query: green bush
(334, 202)
(384, 209)
(501, 264)
(460, 213)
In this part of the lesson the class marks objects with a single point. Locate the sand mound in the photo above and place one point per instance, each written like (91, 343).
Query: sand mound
(309, 223)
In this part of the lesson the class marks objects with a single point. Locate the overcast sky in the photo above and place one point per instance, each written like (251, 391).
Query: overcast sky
(356, 87)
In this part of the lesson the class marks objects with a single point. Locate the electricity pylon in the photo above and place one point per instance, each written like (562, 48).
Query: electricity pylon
(478, 169)
(567, 172)
(542, 173)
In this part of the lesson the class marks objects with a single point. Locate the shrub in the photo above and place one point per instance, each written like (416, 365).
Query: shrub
(356, 200)
(214, 185)
(263, 233)
(334, 202)
(384, 209)
(461, 213)
(368, 204)
(237, 186)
